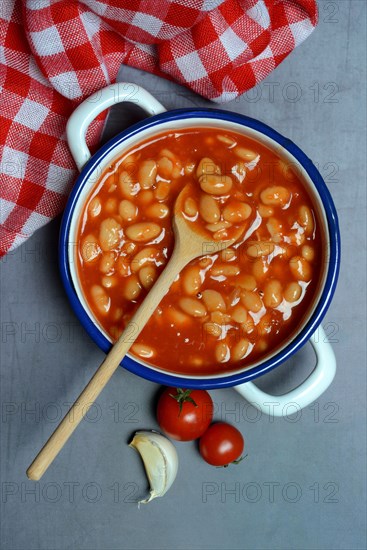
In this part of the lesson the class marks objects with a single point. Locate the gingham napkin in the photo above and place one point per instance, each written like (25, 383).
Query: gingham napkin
(54, 53)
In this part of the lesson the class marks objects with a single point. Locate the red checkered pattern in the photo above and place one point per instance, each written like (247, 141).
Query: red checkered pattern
(54, 53)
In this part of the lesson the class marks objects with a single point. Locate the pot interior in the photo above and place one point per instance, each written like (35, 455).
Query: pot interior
(133, 140)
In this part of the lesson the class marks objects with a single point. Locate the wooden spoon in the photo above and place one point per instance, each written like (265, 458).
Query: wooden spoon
(189, 244)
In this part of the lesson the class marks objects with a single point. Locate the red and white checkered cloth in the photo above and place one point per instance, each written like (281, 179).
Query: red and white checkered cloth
(54, 53)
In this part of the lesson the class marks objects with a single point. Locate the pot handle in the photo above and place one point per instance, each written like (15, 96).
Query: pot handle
(307, 392)
(91, 107)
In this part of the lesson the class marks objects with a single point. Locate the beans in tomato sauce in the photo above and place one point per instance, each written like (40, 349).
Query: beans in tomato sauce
(225, 310)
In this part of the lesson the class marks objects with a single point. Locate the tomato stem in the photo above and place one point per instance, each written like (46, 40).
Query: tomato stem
(182, 396)
(237, 461)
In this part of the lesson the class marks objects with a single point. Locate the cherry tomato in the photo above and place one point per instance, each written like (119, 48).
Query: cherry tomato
(221, 444)
(184, 414)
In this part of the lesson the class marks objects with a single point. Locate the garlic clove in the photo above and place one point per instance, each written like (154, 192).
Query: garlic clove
(160, 461)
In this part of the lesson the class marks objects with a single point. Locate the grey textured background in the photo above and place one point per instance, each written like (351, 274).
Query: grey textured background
(302, 485)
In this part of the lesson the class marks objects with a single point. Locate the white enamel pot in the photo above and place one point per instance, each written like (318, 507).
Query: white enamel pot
(158, 121)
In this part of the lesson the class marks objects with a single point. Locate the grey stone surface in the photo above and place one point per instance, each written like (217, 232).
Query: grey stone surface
(302, 485)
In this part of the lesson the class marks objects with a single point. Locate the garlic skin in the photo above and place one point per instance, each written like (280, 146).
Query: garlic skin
(160, 461)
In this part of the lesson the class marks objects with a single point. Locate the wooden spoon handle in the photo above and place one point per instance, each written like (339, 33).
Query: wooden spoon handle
(86, 399)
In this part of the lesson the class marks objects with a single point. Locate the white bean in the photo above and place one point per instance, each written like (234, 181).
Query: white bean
(189, 168)
(219, 226)
(190, 207)
(112, 187)
(265, 211)
(262, 345)
(109, 282)
(131, 160)
(222, 353)
(207, 166)
(90, 248)
(176, 172)
(245, 154)
(213, 329)
(256, 249)
(94, 207)
(100, 299)
(225, 269)
(288, 170)
(209, 209)
(123, 266)
(146, 196)
(295, 237)
(147, 173)
(233, 297)
(157, 210)
(109, 234)
(265, 325)
(239, 351)
(142, 350)
(115, 332)
(192, 307)
(167, 153)
(107, 263)
(220, 235)
(239, 314)
(273, 293)
(227, 140)
(228, 254)
(128, 247)
(215, 184)
(275, 229)
(177, 317)
(111, 206)
(259, 268)
(300, 268)
(195, 361)
(219, 317)
(147, 255)
(132, 288)
(162, 190)
(206, 261)
(247, 282)
(213, 300)
(165, 166)
(147, 276)
(191, 280)
(127, 210)
(235, 212)
(306, 219)
(143, 231)
(128, 185)
(308, 252)
(249, 326)
(117, 314)
(239, 170)
(251, 301)
(292, 292)
(276, 195)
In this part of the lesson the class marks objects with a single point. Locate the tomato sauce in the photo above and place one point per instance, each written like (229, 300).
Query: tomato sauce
(225, 310)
